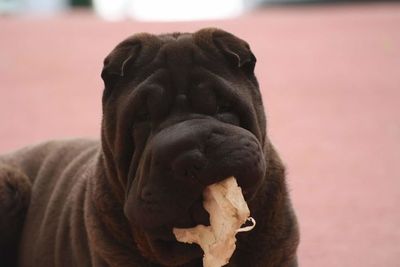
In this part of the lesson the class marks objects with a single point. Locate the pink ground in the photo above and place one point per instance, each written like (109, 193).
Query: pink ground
(331, 82)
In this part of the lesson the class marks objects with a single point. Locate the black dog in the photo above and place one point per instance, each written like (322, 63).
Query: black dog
(180, 112)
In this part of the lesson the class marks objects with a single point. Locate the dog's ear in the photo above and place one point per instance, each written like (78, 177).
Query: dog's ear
(117, 62)
(236, 50)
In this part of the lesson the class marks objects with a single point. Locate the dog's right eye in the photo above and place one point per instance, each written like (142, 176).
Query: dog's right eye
(224, 107)
(225, 112)
(230, 118)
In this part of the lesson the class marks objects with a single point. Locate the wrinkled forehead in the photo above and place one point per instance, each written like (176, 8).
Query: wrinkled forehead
(177, 52)
(182, 55)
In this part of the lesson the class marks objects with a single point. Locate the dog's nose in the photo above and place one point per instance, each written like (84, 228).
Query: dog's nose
(187, 165)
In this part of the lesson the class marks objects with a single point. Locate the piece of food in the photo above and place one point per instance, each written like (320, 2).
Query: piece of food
(228, 211)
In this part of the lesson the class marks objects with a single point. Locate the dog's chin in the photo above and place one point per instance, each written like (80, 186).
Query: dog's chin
(174, 253)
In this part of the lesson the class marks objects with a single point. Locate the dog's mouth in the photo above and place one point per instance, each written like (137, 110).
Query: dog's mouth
(160, 243)
(174, 253)
(167, 251)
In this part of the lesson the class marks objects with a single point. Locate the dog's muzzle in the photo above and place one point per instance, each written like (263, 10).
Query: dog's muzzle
(179, 162)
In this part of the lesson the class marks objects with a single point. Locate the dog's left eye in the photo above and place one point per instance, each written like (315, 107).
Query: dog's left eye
(143, 115)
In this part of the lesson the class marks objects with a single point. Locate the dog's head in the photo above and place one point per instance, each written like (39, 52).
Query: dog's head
(181, 111)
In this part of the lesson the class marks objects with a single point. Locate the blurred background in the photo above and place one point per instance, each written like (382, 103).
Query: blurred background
(330, 77)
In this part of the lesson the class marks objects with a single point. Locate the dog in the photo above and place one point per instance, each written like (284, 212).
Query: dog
(181, 111)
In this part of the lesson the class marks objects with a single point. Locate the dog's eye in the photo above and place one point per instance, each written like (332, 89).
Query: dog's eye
(225, 112)
(142, 115)
(230, 118)
(224, 107)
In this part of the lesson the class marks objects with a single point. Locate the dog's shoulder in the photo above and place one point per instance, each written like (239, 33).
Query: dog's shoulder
(31, 159)
(28, 178)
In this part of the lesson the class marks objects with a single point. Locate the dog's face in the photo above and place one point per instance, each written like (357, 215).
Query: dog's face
(181, 111)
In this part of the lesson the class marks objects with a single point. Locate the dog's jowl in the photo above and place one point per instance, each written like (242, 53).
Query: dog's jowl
(181, 111)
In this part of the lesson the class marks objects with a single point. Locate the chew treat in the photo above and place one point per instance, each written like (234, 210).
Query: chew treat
(228, 211)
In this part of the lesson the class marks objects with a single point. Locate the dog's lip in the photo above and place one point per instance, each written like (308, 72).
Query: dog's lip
(169, 251)
(167, 248)
(164, 236)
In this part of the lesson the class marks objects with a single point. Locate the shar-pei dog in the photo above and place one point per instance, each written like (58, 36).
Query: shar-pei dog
(181, 111)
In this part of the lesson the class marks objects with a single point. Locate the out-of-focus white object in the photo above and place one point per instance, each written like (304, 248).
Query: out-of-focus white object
(112, 9)
(168, 10)
(45, 6)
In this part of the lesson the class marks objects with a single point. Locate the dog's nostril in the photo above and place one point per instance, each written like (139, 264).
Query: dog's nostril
(188, 173)
(146, 195)
(188, 164)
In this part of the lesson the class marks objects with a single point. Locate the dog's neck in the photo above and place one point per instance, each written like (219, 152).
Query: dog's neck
(112, 235)
(108, 229)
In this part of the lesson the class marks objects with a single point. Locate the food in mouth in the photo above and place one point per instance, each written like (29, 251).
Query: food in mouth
(228, 211)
